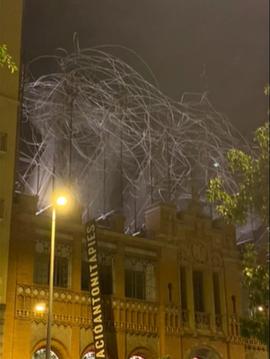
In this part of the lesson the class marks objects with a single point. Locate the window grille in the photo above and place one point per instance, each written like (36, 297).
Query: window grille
(140, 279)
(134, 284)
(60, 272)
(41, 268)
(62, 265)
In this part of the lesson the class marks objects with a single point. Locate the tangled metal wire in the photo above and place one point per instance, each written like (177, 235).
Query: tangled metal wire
(120, 143)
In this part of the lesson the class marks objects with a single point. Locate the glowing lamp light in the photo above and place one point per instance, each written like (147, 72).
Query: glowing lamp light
(61, 201)
(40, 307)
(260, 308)
(216, 164)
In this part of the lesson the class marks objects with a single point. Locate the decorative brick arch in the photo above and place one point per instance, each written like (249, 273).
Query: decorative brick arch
(203, 352)
(143, 352)
(56, 346)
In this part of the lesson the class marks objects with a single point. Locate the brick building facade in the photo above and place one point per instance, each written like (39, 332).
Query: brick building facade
(10, 34)
(173, 289)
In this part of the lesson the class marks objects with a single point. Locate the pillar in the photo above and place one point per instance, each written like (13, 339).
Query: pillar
(209, 298)
(76, 264)
(223, 306)
(119, 292)
(190, 300)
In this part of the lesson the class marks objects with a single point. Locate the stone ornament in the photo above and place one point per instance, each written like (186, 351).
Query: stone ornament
(216, 260)
(184, 253)
(199, 253)
(60, 249)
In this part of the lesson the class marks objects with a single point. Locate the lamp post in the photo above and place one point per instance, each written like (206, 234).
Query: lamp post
(61, 201)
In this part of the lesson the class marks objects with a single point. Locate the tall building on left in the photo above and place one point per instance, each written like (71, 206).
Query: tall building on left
(10, 35)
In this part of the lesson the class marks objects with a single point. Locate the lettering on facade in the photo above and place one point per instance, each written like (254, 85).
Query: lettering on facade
(96, 304)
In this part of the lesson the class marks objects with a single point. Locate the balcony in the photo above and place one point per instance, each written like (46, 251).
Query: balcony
(130, 315)
(3, 143)
(250, 345)
(234, 326)
(202, 320)
(185, 318)
(74, 308)
(218, 322)
(254, 345)
(176, 319)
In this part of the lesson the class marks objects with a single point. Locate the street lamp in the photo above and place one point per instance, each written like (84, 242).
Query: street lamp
(60, 201)
(40, 307)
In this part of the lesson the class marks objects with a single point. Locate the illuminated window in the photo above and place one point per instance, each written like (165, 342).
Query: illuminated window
(89, 355)
(41, 354)
(136, 357)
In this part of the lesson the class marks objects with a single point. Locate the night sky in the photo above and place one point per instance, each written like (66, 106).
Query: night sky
(177, 38)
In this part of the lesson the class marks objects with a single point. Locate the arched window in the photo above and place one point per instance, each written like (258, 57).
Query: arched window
(204, 352)
(89, 355)
(136, 357)
(41, 354)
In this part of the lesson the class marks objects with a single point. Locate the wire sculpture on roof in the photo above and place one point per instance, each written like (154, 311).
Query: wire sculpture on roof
(116, 139)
